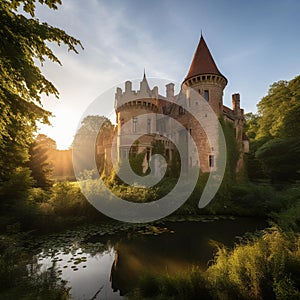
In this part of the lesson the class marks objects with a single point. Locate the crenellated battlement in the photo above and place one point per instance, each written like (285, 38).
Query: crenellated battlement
(132, 97)
(208, 78)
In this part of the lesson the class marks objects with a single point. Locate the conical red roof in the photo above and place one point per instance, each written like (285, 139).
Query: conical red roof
(203, 62)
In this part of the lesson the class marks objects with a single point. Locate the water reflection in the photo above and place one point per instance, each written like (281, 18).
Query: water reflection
(114, 269)
(88, 279)
(190, 245)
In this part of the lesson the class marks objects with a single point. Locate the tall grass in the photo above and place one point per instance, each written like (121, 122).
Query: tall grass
(266, 267)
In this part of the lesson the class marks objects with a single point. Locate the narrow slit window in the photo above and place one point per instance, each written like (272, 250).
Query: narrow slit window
(134, 124)
(206, 95)
(211, 161)
(149, 126)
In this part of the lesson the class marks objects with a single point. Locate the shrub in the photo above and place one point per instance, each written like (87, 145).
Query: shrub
(257, 269)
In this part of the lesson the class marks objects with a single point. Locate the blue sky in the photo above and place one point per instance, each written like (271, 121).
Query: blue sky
(254, 43)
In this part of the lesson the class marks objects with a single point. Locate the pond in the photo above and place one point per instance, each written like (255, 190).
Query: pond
(106, 264)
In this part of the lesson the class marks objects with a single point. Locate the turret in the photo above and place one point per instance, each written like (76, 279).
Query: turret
(205, 78)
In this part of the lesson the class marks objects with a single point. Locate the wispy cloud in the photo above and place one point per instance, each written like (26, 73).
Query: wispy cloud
(121, 38)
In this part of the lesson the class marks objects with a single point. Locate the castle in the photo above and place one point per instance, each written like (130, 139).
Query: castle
(146, 111)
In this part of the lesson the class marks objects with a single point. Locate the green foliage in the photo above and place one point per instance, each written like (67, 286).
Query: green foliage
(136, 162)
(135, 193)
(17, 189)
(291, 122)
(248, 199)
(288, 217)
(271, 109)
(251, 125)
(257, 269)
(173, 169)
(275, 133)
(253, 165)
(232, 148)
(23, 42)
(175, 165)
(67, 200)
(280, 157)
(39, 160)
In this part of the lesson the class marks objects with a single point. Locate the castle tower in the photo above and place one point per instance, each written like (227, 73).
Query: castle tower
(204, 77)
(133, 111)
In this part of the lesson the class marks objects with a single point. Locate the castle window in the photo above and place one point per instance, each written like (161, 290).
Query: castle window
(149, 126)
(134, 123)
(206, 95)
(211, 159)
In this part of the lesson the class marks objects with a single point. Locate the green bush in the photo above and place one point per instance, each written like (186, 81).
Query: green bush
(257, 269)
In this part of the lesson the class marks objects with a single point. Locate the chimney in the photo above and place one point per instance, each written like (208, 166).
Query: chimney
(236, 102)
(170, 91)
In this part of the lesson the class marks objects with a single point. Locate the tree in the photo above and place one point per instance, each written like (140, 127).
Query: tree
(278, 110)
(251, 125)
(23, 42)
(275, 132)
(91, 139)
(39, 162)
(281, 158)
(91, 126)
(253, 164)
(271, 109)
(291, 121)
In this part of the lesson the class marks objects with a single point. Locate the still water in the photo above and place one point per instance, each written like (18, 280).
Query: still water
(107, 267)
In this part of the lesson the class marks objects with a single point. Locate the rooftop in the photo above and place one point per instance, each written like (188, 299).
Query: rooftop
(203, 62)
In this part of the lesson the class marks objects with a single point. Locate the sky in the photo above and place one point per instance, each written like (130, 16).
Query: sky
(254, 44)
